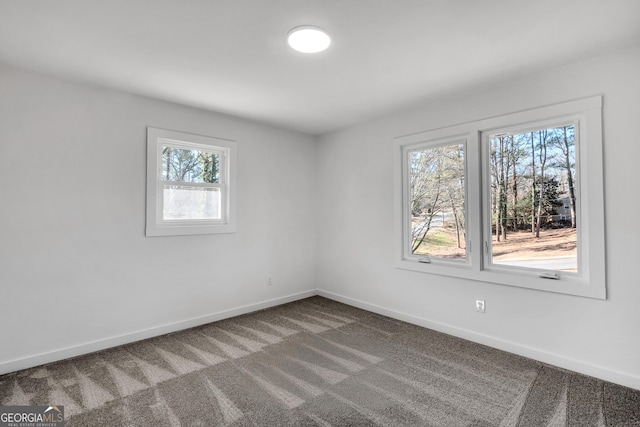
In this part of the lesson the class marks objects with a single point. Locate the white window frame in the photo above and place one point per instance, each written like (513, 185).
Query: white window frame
(406, 196)
(590, 281)
(225, 149)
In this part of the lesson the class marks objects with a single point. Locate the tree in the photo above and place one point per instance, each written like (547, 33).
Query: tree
(533, 185)
(566, 143)
(518, 175)
(550, 193)
(501, 162)
(189, 165)
(456, 197)
(506, 175)
(437, 188)
(520, 165)
(542, 156)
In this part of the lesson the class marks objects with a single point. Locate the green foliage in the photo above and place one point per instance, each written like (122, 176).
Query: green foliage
(550, 197)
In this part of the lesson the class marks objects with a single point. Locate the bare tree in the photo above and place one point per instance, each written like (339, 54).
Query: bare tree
(566, 146)
(542, 156)
(502, 189)
(437, 188)
(533, 183)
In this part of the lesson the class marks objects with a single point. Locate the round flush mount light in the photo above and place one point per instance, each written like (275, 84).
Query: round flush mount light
(308, 39)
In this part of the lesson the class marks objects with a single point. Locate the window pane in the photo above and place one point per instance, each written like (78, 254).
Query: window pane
(185, 165)
(184, 202)
(533, 199)
(437, 196)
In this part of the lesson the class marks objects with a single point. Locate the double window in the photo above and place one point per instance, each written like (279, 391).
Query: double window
(189, 184)
(515, 199)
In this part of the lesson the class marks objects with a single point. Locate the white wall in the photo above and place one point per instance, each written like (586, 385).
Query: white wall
(356, 241)
(76, 271)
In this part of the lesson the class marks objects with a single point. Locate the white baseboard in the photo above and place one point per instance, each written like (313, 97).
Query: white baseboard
(571, 364)
(532, 353)
(93, 346)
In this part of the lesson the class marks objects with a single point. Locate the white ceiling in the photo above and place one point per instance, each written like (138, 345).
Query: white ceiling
(231, 56)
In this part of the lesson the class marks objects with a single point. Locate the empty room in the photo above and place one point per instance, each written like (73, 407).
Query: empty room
(319, 212)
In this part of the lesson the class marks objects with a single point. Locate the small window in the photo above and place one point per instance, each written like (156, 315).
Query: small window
(189, 184)
(514, 200)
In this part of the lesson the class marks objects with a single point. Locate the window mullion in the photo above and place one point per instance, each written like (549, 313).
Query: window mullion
(474, 201)
(192, 184)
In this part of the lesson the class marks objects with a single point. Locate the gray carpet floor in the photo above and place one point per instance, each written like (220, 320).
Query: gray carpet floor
(317, 362)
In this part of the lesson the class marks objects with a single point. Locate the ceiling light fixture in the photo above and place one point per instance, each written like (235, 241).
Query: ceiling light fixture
(308, 39)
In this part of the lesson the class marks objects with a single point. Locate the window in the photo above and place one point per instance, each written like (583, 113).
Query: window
(437, 200)
(515, 200)
(189, 184)
(530, 173)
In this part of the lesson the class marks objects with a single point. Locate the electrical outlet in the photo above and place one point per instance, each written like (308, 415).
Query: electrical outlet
(268, 281)
(480, 306)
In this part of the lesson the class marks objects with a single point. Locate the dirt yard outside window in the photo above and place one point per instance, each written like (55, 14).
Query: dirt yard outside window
(519, 245)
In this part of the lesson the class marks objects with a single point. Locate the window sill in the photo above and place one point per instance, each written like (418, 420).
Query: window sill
(568, 283)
